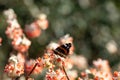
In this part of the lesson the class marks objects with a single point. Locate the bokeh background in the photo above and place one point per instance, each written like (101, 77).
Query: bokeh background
(93, 24)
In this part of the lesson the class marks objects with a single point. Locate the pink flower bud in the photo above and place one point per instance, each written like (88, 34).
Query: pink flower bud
(32, 30)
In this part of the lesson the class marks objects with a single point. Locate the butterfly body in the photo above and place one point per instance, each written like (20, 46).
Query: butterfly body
(63, 50)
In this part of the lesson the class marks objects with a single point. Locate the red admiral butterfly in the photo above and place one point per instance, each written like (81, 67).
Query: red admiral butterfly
(63, 50)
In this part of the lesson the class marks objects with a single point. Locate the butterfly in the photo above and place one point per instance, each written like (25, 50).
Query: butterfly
(63, 50)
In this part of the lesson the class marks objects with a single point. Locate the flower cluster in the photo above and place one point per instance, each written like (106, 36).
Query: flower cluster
(14, 68)
(58, 67)
(55, 75)
(15, 33)
(100, 72)
(17, 64)
(34, 29)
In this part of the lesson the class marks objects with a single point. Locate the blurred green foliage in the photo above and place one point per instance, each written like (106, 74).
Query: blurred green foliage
(92, 24)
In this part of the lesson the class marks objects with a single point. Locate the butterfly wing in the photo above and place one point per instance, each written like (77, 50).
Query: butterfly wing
(63, 50)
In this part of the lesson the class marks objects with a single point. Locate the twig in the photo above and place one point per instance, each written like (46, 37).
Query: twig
(65, 73)
(31, 71)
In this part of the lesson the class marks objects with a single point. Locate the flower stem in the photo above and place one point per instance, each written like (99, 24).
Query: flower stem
(31, 71)
(65, 73)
